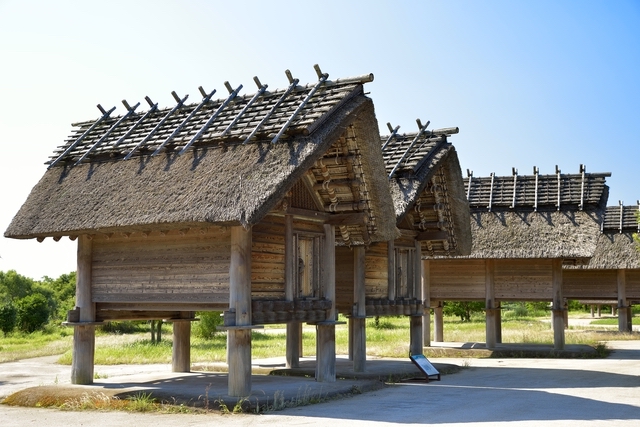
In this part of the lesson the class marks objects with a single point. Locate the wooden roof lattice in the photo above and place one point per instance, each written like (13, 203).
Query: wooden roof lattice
(263, 116)
(621, 218)
(536, 192)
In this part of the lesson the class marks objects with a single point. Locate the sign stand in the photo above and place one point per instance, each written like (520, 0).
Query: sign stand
(430, 372)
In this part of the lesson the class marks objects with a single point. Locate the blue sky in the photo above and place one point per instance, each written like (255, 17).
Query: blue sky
(529, 83)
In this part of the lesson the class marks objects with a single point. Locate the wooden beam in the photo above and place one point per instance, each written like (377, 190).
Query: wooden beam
(624, 311)
(426, 297)
(294, 337)
(326, 331)
(558, 305)
(391, 270)
(359, 218)
(307, 214)
(82, 359)
(490, 301)
(359, 324)
(181, 348)
(432, 235)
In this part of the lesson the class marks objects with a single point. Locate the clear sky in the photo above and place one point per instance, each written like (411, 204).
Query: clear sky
(529, 83)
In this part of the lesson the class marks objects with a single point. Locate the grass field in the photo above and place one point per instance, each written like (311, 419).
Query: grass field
(389, 337)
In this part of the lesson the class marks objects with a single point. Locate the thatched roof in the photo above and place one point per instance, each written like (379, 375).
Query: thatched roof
(616, 247)
(537, 216)
(106, 177)
(427, 189)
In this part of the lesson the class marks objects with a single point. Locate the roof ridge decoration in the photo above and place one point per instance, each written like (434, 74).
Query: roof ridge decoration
(273, 115)
(558, 191)
(412, 158)
(621, 218)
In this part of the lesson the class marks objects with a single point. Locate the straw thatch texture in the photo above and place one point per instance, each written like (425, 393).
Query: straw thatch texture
(234, 183)
(616, 248)
(427, 188)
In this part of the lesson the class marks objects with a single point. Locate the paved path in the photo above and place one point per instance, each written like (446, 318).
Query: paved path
(529, 392)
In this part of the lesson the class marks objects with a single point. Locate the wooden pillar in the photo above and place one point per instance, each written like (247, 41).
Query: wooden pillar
(294, 330)
(490, 302)
(592, 309)
(624, 312)
(84, 336)
(558, 305)
(438, 323)
(240, 292)
(360, 312)
(326, 331)
(391, 270)
(599, 310)
(498, 322)
(415, 325)
(426, 297)
(181, 349)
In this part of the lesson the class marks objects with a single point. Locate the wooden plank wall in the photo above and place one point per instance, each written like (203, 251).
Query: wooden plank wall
(376, 273)
(523, 279)
(457, 280)
(633, 284)
(344, 279)
(267, 259)
(163, 268)
(590, 284)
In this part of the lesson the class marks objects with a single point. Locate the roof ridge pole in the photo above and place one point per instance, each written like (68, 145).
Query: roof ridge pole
(559, 185)
(422, 130)
(232, 95)
(514, 171)
(130, 111)
(536, 171)
(491, 191)
(261, 89)
(322, 78)
(621, 214)
(394, 132)
(105, 114)
(205, 99)
(583, 169)
(292, 85)
(153, 108)
(470, 176)
(179, 104)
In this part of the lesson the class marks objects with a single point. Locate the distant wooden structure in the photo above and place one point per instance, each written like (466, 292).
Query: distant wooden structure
(524, 228)
(432, 216)
(231, 204)
(612, 275)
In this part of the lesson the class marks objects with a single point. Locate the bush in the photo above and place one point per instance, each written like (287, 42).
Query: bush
(33, 312)
(8, 318)
(208, 325)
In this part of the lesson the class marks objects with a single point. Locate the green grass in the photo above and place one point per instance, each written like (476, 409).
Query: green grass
(389, 337)
(613, 321)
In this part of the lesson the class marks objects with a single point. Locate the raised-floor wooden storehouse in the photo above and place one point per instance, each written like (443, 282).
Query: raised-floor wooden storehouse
(230, 205)
(524, 229)
(432, 216)
(613, 273)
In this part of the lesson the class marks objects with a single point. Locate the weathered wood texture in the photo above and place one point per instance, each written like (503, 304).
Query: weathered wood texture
(181, 349)
(426, 297)
(82, 357)
(589, 284)
(170, 268)
(457, 280)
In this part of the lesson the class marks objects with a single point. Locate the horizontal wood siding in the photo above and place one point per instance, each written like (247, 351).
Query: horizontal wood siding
(590, 284)
(633, 284)
(344, 279)
(267, 259)
(457, 280)
(523, 279)
(162, 267)
(376, 273)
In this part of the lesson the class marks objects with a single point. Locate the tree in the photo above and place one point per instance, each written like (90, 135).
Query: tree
(462, 309)
(8, 318)
(33, 312)
(14, 286)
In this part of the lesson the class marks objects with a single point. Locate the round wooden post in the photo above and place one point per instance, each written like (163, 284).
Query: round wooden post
(239, 336)
(294, 330)
(391, 270)
(558, 305)
(181, 348)
(498, 322)
(624, 320)
(326, 331)
(490, 312)
(438, 323)
(82, 359)
(415, 324)
(426, 297)
(360, 314)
